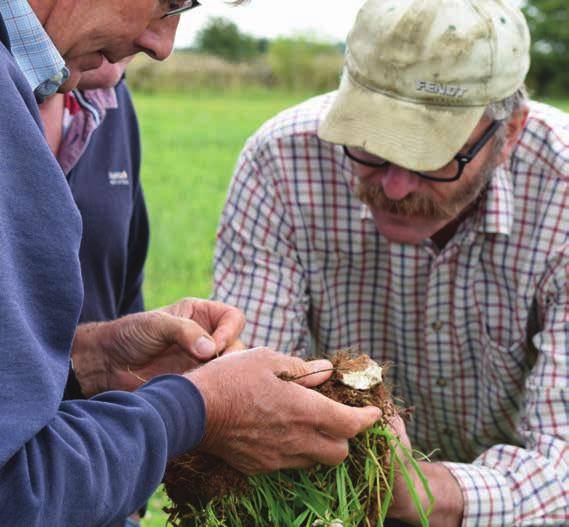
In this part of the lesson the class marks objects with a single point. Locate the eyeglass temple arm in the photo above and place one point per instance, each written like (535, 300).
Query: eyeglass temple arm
(490, 131)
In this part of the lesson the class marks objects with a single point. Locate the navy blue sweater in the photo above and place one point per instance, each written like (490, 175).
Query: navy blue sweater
(115, 223)
(79, 462)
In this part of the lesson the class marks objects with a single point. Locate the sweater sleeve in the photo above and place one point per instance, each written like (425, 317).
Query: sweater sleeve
(79, 462)
(97, 461)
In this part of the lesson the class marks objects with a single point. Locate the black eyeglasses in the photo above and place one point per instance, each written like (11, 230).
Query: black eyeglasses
(176, 8)
(450, 172)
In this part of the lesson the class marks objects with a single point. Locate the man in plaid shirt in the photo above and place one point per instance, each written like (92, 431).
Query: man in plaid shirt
(420, 214)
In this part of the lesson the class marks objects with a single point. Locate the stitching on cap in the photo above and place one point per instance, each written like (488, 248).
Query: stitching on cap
(392, 95)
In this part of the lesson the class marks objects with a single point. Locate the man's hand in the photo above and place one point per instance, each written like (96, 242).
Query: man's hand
(449, 502)
(124, 353)
(258, 422)
(224, 323)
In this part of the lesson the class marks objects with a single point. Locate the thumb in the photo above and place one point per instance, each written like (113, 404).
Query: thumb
(309, 374)
(189, 336)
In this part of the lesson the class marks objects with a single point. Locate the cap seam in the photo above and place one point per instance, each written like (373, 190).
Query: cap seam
(490, 43)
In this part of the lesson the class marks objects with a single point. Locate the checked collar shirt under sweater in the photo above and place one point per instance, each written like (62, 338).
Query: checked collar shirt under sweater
(478, 332)
(35, 53)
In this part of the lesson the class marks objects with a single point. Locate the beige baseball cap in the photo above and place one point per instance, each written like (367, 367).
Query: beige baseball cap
(419, 75)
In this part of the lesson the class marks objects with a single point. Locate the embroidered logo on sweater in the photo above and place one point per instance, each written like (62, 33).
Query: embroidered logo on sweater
(119, 178)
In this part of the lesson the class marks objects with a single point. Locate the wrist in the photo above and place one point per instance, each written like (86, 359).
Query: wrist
(216, 420)
(72, 387)
(448, 506)
(402, 507)
(89, 365)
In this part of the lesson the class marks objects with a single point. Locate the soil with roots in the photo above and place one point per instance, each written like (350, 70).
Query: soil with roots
(193, 480)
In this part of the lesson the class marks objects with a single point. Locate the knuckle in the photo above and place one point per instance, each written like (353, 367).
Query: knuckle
(343, 451)
(302, 463)
(186, 303)
(182, 308)
(261, 349)
(156, 317)
(266, 353)
(352, 428)
(269, 462)
(339, 454)
(295, 366)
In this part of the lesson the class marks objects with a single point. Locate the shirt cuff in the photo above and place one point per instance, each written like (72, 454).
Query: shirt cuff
(488, 501)
(182, 409)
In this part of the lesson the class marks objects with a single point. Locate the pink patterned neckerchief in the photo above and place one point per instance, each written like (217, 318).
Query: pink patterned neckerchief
(83, 112)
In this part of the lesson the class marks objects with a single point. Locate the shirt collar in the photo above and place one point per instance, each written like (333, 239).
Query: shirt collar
(33, 50)
(497, 209)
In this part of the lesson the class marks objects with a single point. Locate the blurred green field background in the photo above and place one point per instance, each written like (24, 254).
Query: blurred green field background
(190, 145)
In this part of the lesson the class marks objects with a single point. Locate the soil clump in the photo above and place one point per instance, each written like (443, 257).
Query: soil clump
(195, 481)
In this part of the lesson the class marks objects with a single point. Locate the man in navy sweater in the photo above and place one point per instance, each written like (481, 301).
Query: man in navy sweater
(92, 462)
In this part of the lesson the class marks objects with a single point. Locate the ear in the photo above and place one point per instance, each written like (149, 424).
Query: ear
(514, 128)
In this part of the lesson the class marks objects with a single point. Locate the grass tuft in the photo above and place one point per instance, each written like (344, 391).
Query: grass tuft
(356, 492)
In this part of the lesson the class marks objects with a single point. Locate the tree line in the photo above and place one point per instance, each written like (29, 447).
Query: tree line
(548, 21)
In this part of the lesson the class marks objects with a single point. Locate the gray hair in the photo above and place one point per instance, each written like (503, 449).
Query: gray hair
(505, 109)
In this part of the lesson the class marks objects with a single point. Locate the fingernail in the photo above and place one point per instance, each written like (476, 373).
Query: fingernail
(320, 364)
(204, 347)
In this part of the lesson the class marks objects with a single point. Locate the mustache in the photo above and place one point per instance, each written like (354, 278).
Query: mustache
(413, 204)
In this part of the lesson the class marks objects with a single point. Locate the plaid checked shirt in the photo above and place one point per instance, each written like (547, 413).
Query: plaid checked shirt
(37, 57)
(478, 332)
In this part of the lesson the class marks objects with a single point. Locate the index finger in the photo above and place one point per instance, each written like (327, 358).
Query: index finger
(339, 420)
(229, 326)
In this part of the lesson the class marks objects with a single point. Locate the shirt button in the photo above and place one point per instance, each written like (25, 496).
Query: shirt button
(437, 325)
(442, 382)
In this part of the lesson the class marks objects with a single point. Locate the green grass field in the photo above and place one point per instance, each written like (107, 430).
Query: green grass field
(190, 145)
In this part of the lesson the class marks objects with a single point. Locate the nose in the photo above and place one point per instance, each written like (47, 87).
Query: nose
(397, 182)
(157, 40)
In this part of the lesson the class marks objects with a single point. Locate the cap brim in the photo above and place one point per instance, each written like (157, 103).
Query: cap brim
(409, 134)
